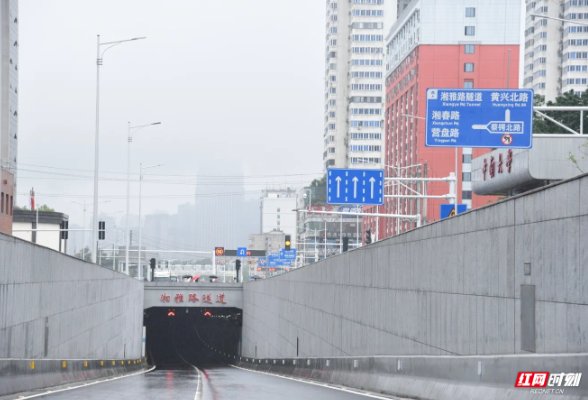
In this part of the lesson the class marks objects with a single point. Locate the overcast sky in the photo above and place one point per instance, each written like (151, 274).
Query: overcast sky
(232, 79)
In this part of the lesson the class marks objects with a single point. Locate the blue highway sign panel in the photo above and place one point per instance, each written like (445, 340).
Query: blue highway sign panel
(287, 255)
(355, 186)
(241, 251)
(489, 118)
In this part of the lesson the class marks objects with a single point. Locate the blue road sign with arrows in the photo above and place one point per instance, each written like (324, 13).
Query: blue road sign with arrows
(241, 251)
(489, 118)
(355, 186)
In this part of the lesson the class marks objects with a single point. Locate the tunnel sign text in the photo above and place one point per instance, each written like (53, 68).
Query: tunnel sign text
(193, 298)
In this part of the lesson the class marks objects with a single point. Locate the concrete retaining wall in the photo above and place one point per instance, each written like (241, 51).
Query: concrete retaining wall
(17, 376)
(53, 306)
(449, 288)
(430, 377)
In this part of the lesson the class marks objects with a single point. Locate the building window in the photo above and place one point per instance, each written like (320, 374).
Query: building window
(466, 195)
(468, 84)
(470, 48)
(470, 30)
(2, 205)
(468, 67)
(467, 158)
(11, 204)
(466, 177)
(470, 12)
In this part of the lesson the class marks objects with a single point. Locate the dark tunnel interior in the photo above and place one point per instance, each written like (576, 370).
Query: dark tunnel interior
(172, 335)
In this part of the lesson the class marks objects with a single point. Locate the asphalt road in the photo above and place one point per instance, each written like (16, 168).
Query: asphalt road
(217, 383)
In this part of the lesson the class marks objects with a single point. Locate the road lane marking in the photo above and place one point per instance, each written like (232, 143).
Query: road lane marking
(343, 389)
(48, 392)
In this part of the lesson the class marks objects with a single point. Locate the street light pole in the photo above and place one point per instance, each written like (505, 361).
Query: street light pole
(97, 139)
(127, 223)
(141, 169)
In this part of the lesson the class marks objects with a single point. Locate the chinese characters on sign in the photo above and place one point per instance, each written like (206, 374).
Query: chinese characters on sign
(491, 170)
(479, 118)
(193, 298)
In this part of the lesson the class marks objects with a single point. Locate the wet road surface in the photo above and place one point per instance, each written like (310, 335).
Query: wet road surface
(217, 383)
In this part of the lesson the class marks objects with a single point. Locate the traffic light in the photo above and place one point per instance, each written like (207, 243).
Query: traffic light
(152, 266)
(345, 244)
(101, 230)
(287, 243)
(368, 236)
(237, 268)
(64, 226)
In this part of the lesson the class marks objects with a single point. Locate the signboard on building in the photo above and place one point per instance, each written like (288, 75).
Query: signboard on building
(488, 118)
(355, 186)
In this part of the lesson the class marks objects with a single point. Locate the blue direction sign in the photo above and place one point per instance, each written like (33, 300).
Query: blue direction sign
(448, 210)
(241, 251)
(287, 255)
(490, 118)
(273, 257)
(280, 263)
(355, 186)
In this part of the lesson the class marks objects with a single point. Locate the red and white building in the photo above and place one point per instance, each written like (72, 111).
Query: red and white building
(440, 44)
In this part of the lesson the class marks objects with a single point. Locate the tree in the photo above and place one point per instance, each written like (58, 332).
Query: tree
(318, 189)
(571, 119)
(87, 254)
(46, 208)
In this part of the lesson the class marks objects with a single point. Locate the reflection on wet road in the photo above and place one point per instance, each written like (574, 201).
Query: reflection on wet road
(217, 383)
(155, 385)
(232, 383)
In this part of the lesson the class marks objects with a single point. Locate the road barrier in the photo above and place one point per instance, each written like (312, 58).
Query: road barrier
(432, 377)
(17, 376)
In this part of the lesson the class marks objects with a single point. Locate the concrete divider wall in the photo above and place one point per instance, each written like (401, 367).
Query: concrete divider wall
(429, 377)
(56, 306)
(448, 288)
(17, 376)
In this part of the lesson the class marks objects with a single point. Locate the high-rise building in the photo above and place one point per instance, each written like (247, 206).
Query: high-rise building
(354, 82)
(472, 44)
(8, 110)
(556, 60)
(277, 212)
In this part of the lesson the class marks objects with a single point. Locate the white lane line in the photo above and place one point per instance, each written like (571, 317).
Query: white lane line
(49, 392)
(318, 384)
(197, 386)
(197, 371)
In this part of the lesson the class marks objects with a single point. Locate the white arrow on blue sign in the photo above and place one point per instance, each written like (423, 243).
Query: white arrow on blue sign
(355, 186)
(241, 251)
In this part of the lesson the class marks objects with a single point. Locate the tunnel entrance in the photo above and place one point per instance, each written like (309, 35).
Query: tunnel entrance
(173, 341)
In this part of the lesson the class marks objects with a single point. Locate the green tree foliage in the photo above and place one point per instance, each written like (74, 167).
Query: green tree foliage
(46, 208)
(87, 253)
(318, 189)
(570, 119)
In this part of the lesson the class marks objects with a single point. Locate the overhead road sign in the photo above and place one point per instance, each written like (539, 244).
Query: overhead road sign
(219, 251)
(287, 255)
(488, 118)
(355, 186)
(241, 251)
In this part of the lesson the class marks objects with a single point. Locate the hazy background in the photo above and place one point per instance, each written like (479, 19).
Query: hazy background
(230, 80)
